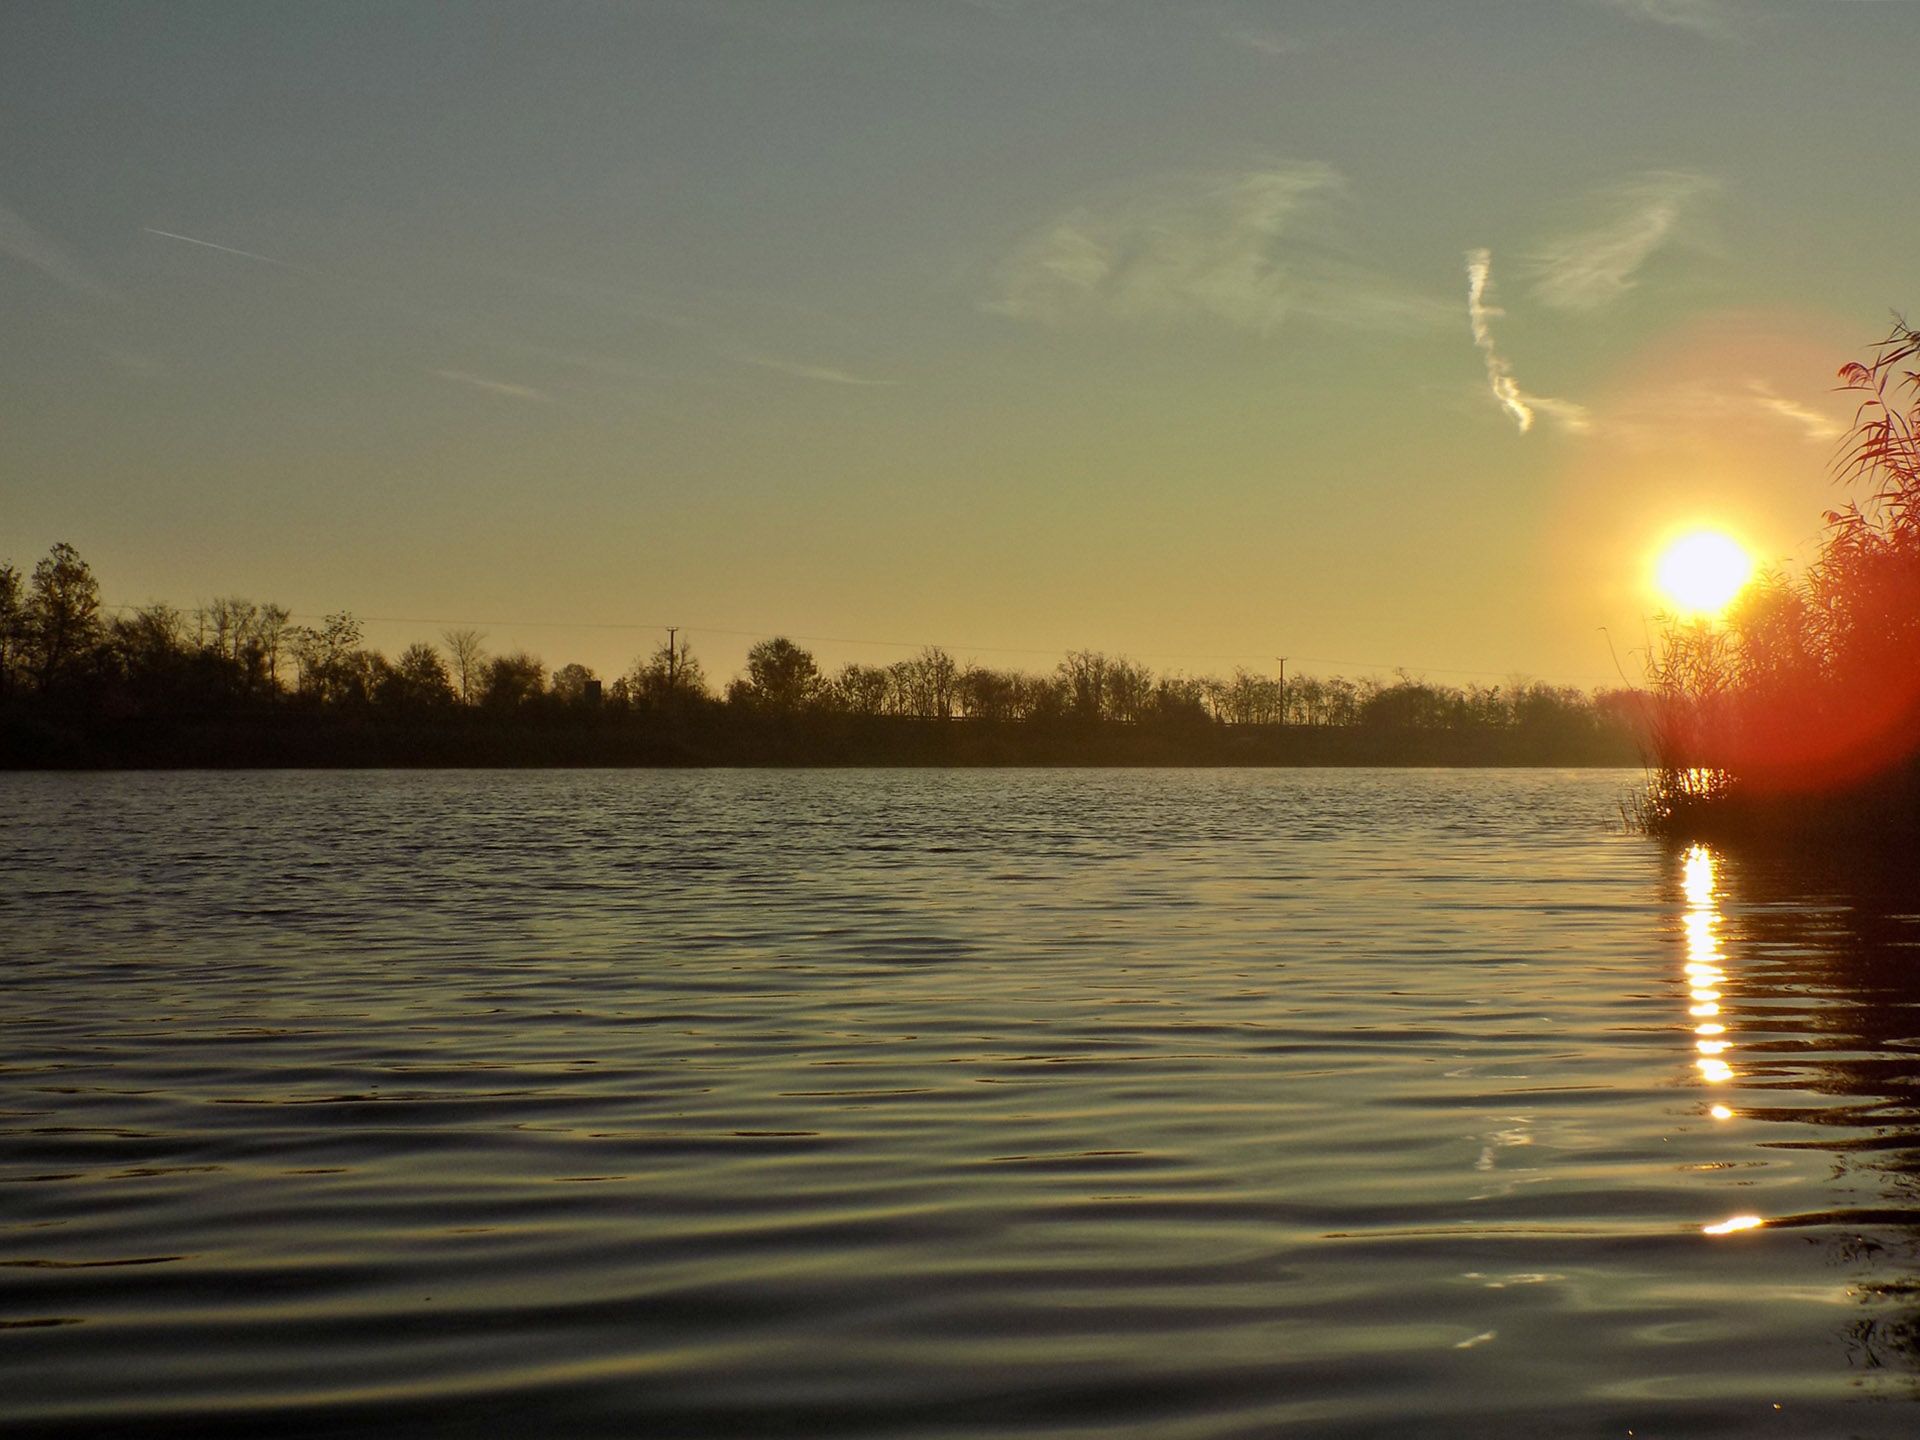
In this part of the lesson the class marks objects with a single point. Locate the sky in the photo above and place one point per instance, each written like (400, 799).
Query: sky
(1375, 335)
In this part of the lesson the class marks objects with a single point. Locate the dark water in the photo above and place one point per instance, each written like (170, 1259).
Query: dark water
(1184, 1104)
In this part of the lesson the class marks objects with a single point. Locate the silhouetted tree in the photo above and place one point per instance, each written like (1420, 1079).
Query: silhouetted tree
(271, 629)
(986, 694)
(329, 669)
(417, 680)
(928, 684)
(62, 614)
(1129, 691)
(469, 661)
(13, 627)
(862, 689)
(781, 677)
(571, 683)
(1084, 675)
(512, 681)
(671, 676)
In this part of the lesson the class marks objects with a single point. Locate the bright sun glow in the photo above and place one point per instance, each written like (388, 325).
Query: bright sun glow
(1700, 573)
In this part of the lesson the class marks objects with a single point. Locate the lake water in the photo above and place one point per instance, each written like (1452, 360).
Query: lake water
(942, 1104)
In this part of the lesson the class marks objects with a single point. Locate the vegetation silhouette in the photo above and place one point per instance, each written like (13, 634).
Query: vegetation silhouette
(235, 683)
(1799, 712)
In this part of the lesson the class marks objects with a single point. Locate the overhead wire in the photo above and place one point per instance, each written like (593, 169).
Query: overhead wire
(965, 648)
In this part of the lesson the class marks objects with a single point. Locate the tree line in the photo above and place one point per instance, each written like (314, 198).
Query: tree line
(81, 679)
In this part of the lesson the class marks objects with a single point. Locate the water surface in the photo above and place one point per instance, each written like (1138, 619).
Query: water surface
(1171, 1104)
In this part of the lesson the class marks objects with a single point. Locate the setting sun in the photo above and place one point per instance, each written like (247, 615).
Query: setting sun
(1701, 572)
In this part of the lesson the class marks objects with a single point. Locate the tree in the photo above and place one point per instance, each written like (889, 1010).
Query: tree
(572, 683)
(418, 679)
(62, 616)
(329, 669)
(1083, 676)
(272, 631)
(780, 677)
(988, 694)
(13, 626)
(862, 689)
(151, 647)
(1129, 690)
(512, 681)
(469, 660)
(668, 677)
(930, 684)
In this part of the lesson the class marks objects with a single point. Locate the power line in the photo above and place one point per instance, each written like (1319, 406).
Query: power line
(948, 645)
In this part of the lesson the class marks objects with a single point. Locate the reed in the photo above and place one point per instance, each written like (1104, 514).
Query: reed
(1800, 709)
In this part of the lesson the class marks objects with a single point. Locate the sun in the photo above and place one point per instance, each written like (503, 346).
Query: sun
(1701, 572)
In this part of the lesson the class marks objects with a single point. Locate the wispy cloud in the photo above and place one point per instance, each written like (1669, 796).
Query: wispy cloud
(225, 249)
(1713, 18)
(1519, 405)
(1687, 411)
(1252, 248)
(21, 241)
(801, 370)
(1810, 422)
(1589, 268)
(494, 387)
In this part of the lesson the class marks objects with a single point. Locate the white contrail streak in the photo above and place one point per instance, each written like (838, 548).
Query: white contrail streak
(1515, 401)
(225, 249)
(1480, 316)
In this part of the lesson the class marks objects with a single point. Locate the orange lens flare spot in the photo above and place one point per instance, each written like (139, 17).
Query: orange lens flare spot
(1733, 1225)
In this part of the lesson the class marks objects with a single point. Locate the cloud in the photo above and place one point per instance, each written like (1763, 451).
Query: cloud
(1811, 423)
(803, 371)
(20, 241)
(225, 249)
(1712, 408)
(1250, 248)
(1518, 404)
(1591, 268)
(494, 387)
(1712, 18)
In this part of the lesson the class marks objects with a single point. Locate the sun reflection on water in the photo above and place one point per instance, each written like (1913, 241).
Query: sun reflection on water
(1705, 969)
(1706, 972)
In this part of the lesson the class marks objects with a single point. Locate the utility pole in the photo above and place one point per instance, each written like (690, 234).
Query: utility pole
(673, 660)
(1283, 687)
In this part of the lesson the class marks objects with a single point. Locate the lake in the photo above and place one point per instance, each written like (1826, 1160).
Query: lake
(943, 1104)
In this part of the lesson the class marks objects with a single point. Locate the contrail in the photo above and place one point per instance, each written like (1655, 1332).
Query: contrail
(1480, 316)
(1515, 401)
(226, 249)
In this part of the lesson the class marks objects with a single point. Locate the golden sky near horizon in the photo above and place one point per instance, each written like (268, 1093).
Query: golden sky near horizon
(1370, 334)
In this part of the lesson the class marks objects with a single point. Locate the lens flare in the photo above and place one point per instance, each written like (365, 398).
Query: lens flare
(1700, 573)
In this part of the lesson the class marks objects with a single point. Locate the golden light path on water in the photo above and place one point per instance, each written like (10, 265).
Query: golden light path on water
(1706, 973)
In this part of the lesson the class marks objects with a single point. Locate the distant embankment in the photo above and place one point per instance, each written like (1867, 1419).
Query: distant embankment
(478, 739)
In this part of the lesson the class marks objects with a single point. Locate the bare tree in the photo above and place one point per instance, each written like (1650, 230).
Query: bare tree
(469, 660)
(272, 633)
